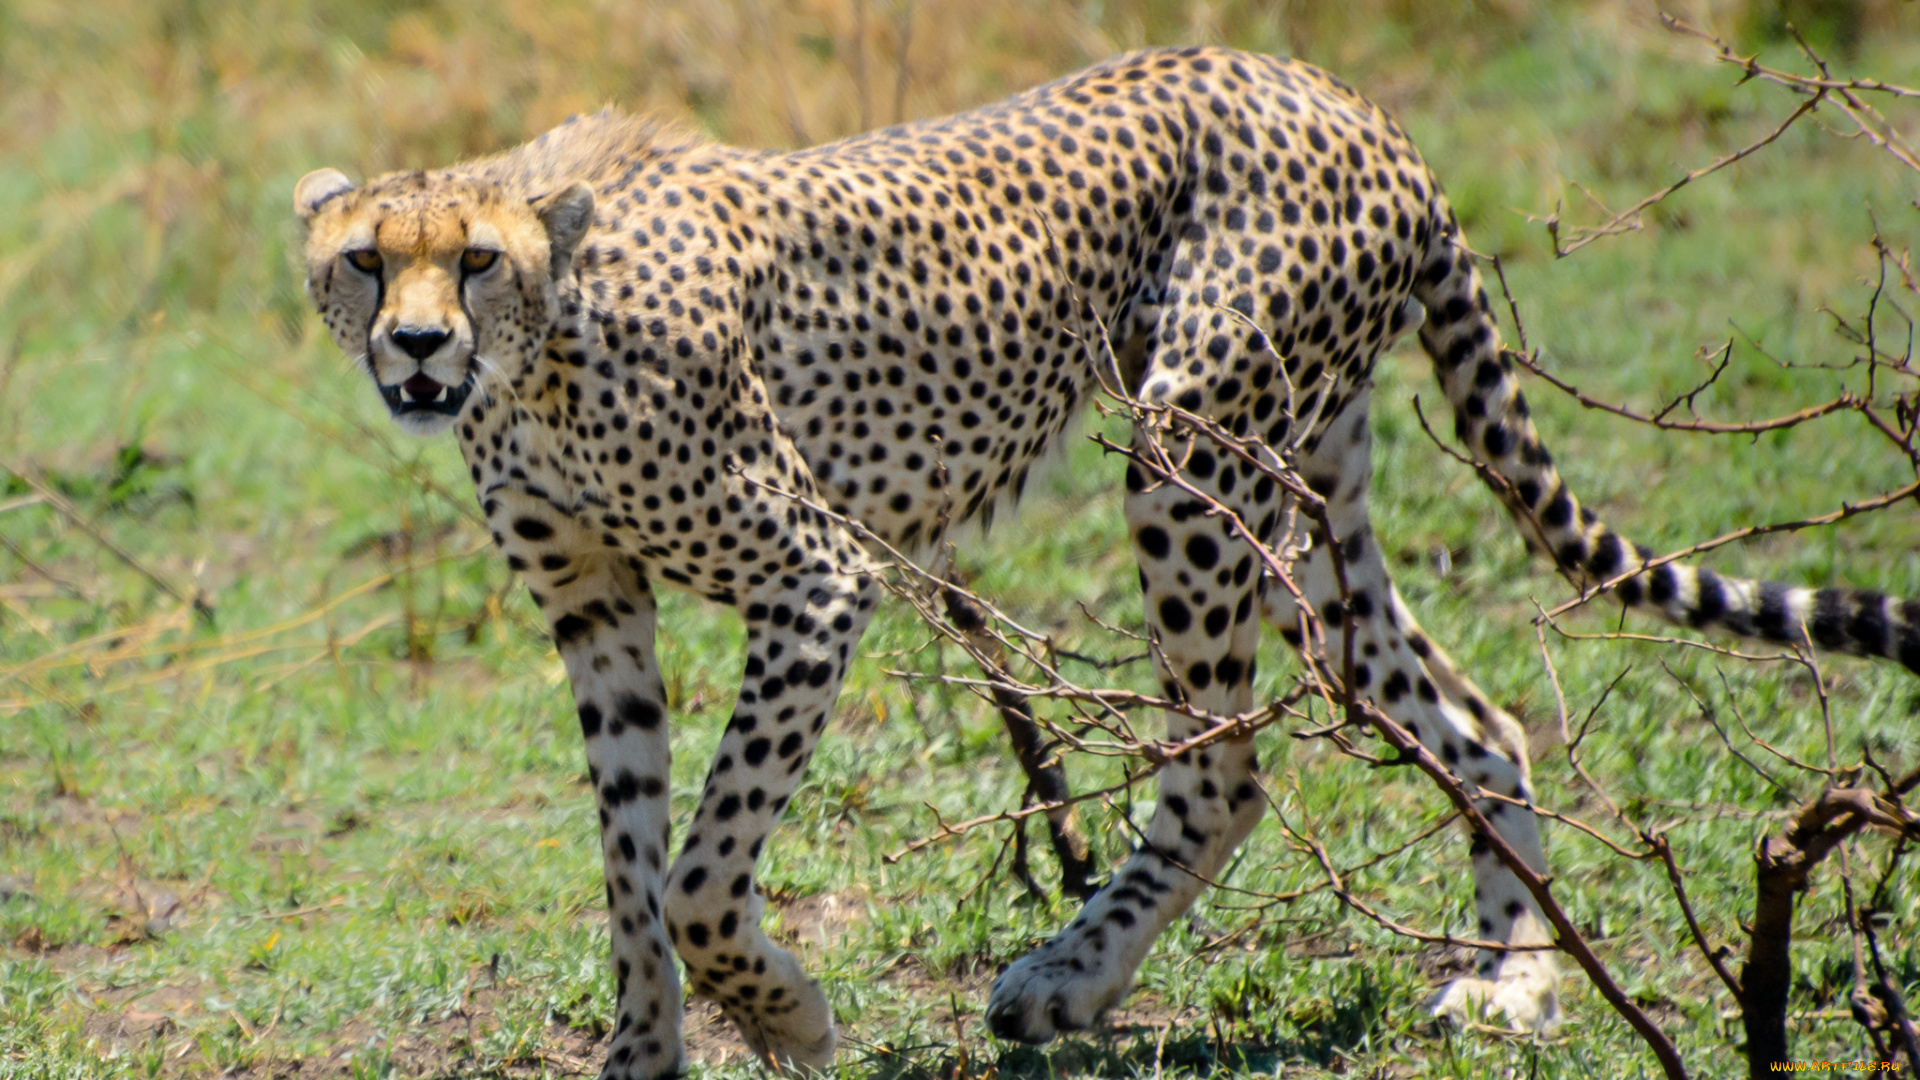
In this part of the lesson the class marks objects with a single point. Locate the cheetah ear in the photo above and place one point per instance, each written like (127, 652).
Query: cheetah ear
(566, 214)
(315, 188)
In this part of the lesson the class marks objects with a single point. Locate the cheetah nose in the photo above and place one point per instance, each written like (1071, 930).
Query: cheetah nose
(419, 344)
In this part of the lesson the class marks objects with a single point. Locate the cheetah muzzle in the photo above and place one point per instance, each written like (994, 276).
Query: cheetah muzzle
(659, 355)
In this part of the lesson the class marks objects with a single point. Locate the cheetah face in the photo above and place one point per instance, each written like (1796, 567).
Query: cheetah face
(437, 282)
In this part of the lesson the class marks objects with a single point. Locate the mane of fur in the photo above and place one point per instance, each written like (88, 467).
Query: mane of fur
(593, 148)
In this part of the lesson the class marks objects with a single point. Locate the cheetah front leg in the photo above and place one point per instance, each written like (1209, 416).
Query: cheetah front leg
(602, 617)
(801, 635)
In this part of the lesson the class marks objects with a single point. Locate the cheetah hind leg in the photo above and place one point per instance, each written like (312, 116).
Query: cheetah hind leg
(1412, 680)
(1523, 990)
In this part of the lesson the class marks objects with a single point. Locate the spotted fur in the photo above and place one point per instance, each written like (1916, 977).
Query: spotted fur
(654, 350)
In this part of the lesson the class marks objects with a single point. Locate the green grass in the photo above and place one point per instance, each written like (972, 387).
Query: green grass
(361, 780)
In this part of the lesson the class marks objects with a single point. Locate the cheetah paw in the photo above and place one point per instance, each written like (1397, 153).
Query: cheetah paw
(1524, 1000)
(796, 1041)
(1043, 993)
(629, 1059)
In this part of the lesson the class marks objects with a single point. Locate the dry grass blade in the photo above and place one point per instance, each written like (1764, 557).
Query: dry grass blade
(195, 598)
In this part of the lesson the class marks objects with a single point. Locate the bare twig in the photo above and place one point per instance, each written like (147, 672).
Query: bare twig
(1628, 220)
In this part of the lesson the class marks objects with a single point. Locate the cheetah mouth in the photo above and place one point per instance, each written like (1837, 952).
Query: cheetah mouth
(424, 394)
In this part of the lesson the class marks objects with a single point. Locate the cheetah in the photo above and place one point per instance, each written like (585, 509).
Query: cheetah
(674, 362)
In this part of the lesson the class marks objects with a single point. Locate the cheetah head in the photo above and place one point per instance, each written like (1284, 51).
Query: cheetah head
(436, 280)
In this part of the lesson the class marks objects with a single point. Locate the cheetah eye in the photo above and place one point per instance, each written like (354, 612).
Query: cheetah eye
(478, 260)
(366, 260)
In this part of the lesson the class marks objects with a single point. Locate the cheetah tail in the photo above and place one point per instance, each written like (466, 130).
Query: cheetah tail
(1491, 419)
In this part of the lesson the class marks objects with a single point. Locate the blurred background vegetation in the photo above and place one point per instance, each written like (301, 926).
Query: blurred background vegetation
(329, 819)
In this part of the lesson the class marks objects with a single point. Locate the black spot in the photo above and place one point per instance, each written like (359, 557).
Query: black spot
(1559, 511)
(1174, 615)
(1631, 592)
(1202, 552)
(1608, 556)
(638, 711)
(1217, 621)
(1572, 553)
(1663, 584)
(1869, 627)
(1772, 618)
(568, 629)
(1829, 623)
(757, 750)
(1395, 687)
(1711, 600)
